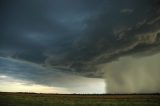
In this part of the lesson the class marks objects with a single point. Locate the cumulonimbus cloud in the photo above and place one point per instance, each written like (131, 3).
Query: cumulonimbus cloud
(77, 37)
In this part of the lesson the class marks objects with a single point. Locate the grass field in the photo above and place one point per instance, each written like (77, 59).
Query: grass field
(33, 99)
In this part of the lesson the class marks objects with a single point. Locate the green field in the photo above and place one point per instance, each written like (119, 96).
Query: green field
(33, 99)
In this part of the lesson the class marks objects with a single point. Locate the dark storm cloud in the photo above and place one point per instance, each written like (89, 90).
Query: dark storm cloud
(33, 28)
(120, 28)
(78, 35)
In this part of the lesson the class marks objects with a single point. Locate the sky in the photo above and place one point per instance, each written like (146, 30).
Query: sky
(80, 46)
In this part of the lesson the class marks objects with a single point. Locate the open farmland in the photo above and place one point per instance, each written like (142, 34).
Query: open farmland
(33, 99)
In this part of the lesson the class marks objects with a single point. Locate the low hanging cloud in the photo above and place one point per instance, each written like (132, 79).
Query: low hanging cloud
(30, 74)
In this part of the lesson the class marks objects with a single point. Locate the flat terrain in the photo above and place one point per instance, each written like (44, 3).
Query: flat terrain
(33, 99)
